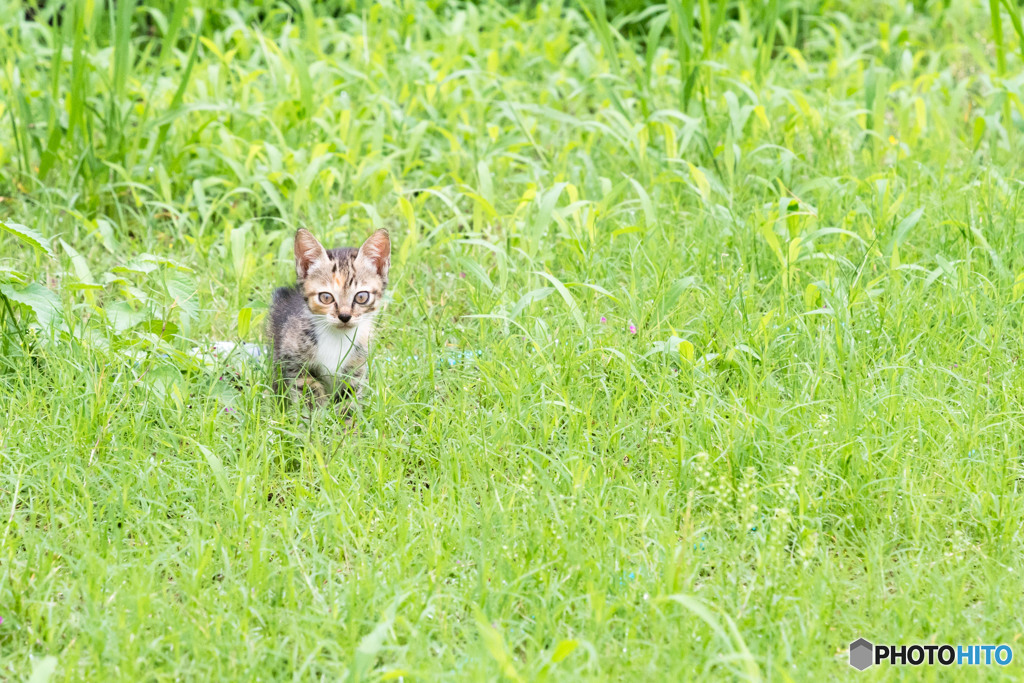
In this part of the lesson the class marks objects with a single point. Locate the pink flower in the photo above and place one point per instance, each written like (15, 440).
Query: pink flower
(603, 320)
(632, 328)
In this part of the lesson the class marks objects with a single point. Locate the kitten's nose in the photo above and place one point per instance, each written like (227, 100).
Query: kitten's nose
(344, 317)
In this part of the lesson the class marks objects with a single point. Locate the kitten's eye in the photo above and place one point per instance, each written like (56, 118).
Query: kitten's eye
(362, 297)
(325, 298)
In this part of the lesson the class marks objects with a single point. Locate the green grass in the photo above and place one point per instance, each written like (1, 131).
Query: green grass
(809, 212)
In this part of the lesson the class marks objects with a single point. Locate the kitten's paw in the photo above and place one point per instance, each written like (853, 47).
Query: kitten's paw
(310, 390)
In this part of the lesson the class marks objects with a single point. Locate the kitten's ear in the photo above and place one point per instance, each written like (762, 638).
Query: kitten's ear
(307, 252)
(377, 250)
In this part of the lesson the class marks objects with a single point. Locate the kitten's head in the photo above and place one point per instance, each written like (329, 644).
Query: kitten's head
(343, 286)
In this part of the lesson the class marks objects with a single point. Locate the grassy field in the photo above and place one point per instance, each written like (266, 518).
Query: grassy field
(702, 358)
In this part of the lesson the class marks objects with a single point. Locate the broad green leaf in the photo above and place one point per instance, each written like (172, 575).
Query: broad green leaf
(239, 236)
(244, 319)
(627, 230)
(483, 174)
(183, 290)
(41, 300)
(563, 650)
(905, 226)
(164, 261)
(28, 236)
(794, 249)
(8, 275)
(767, 230)
(701, 181)
(759, 112)
(107, 234)
(165, 329)
(686, 350)
(122, 317)
(43, 669)
(135, 268)
(979, 131)
(811, 296)
(80, 265)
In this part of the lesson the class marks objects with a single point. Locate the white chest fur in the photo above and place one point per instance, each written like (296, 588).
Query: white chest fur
(340, 353)
(336, 351)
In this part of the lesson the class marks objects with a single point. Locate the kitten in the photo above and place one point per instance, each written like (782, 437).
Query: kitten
(321, 327)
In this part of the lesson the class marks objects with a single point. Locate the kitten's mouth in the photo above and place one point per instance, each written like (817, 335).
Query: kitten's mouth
(345, 326)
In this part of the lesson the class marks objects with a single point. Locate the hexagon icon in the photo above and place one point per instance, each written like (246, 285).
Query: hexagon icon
(862, 654)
